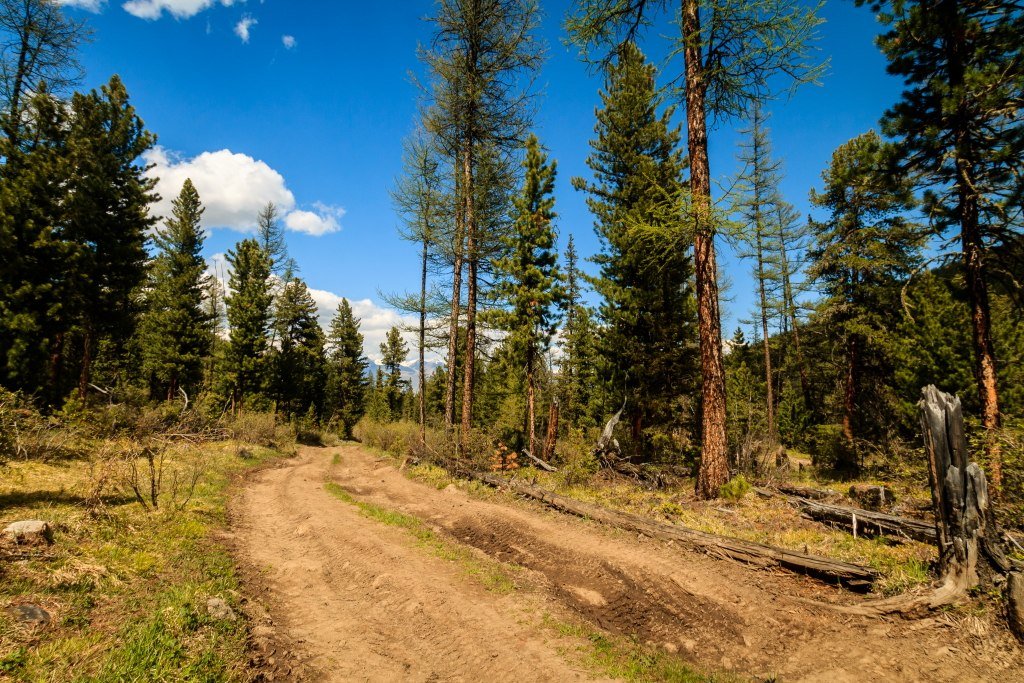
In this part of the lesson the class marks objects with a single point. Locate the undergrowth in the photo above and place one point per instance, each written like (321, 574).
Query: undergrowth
(126, 585)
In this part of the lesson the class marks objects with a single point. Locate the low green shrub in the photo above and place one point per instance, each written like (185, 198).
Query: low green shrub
(735, 489)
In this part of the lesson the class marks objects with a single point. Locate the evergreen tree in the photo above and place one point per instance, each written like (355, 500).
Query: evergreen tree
(176, 329)
(579, 353)
(347, 381)
(270, 235)
(530, 280)
(959, 131)
(647, 337)
(36, 311)
(394, 351)
(483, 53)
(733, 52)
(106, 215)
(249, 317)
(759, 193)
(38, 53)
(861, 255)
(298, 360)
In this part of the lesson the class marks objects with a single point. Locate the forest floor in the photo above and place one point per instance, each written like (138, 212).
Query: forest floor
(370, 575)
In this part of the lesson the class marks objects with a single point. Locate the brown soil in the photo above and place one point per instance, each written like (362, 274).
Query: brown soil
(361, 600)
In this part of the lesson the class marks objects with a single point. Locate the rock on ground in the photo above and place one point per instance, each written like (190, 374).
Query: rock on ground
(29, 532)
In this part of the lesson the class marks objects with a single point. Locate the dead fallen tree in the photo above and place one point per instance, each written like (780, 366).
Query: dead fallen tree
(858, 520)
(850, 575)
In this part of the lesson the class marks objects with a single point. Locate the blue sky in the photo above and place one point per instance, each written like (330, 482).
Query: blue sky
(306, 103)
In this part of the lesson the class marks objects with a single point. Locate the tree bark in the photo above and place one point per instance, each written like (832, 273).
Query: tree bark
(714, 462)
(552, 437)
(423, 343)
(86, 369)
(766, 341)
(453, 326)
(531, 397)
(468, 375)
(850, 389)
(973, 246)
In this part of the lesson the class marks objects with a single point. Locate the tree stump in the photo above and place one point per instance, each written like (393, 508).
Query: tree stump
(970, 548)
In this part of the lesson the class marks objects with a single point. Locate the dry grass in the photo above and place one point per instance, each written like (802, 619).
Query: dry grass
(126, 585)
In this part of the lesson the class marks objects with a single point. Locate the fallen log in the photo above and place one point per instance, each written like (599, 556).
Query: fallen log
(805, 492)
(540, 463)
(860, 521)
(850, 575)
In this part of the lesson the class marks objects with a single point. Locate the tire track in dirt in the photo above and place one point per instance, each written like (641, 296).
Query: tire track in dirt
(372, 606)
(366, 603)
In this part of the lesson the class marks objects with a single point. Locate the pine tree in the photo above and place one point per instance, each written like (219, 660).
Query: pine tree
(861, 254)
(529, 277)
(107, 216)
(647, 337)
(176, 329)
(733, 51)
(959, 131)
(249, 318)
(579, 363)
(394, 351)
(483, 53)
(347, 383)
(270, 235)
(758, 186)
(298, 360)
(36, 312)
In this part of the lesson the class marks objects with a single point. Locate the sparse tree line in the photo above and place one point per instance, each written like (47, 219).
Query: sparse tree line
(907, 274)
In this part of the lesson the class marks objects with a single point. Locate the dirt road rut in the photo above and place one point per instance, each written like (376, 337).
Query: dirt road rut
(367, 602)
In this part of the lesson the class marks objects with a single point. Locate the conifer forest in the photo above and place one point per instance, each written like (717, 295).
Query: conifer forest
(732, 419)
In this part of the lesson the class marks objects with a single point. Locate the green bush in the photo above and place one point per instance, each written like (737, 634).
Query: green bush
(829, 448)
(735, 489)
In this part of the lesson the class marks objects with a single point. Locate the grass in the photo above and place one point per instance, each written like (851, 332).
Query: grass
(126, 589)
(494, 576)
(626, 659)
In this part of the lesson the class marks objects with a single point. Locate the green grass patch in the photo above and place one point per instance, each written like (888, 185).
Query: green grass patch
(494, 576)
(126, 589)
(627, 659)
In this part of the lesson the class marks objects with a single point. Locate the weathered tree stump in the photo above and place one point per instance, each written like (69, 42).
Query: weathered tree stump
(872, 497)
(970, 547)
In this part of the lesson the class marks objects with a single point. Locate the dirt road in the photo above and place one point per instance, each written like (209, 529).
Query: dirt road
(366, 601)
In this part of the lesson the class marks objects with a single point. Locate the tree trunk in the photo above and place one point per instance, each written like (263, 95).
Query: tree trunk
(423, 344)
(970, 549)
(468, 375)
(84, 375)
(850, 389)
(453, 326)
(714, 461)
(531, 397)
(789, 302)
(766, 340)
(973, 247)
(552, 437)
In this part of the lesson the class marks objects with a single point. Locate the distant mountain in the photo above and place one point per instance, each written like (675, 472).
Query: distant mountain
(410, 373)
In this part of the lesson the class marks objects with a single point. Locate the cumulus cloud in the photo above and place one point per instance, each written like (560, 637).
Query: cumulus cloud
(234, 187)
(375, 320)
(179, 9)
(289, 42)
(323, 220)
(244, 25)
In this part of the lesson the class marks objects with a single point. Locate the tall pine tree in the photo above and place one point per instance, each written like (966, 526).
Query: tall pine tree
(299, 374)
(347, 381)
(530, 280)
(176, 329)
(249, 318)
(647, 340)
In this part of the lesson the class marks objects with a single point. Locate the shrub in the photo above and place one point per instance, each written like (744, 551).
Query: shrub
(257, 429)
(735, 489)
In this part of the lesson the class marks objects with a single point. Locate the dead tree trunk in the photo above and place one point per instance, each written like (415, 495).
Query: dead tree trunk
(970, 549)
(552, 436)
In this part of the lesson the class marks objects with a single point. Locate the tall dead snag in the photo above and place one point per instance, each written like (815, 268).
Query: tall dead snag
(970, 548)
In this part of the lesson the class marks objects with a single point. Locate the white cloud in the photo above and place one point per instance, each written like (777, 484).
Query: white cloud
(375, 320)
(179, 9)
(289, 42)
(322, 220)
(88, 5)
(242, 27)
(234, 187)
